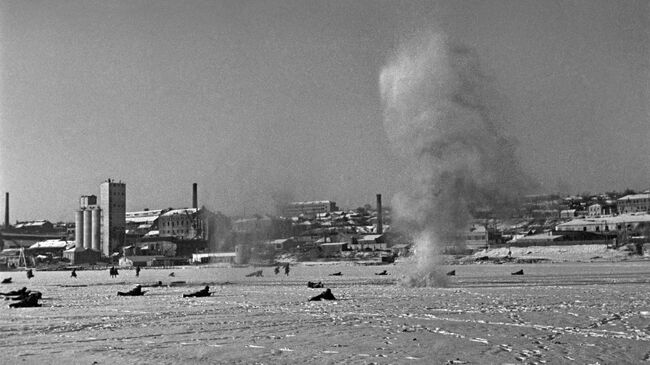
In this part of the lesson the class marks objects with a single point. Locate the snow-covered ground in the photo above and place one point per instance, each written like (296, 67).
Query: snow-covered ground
(563, 253)
(555, 313)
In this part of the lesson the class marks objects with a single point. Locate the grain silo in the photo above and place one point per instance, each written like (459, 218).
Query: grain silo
(95, 228)
(87, 233)
(78, 228)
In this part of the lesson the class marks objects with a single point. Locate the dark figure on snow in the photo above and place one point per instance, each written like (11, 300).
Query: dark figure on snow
(30, 301)
(311, 284)
(137, 291)
(520, 272)
(205, 292)
(113, 272)
(336, 274)
(287, 269)
(6, 281)
(257, 273)
(276, 270)
(382, 273)
(451, 273)
(73, 274)
(326, 295)
(30, 274)
(137, 271)
(24, 295)
(21, 291)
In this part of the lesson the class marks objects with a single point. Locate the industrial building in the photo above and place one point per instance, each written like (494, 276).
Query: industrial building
(310, 208)
(87, 248)
(622, 222)
(112, 206)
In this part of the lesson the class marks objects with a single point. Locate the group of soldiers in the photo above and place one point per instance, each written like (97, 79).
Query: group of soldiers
(27, 298)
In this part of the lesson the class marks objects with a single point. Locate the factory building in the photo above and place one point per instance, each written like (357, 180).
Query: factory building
(112, 204)
(310, 208)
(87, 232)
(181, 223)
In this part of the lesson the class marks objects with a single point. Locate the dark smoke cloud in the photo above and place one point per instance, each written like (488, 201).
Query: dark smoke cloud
(444, 116)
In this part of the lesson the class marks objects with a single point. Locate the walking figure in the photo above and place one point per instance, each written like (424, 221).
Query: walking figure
(277, 270)
(137, 271)
(73, 274)
(113, 272)
(286, 269)
(30, 274)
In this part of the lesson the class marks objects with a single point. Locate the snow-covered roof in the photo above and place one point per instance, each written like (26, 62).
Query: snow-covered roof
(40, 223)
(311, 202)
(180, 211)
(279, 241)
(139, 220)
(635, 197)
(621, 218)
(153, 233)
(50, 244)
(334, 244)
(539, 237)
(370, 237)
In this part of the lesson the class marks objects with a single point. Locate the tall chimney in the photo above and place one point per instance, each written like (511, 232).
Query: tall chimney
(380, 227)
(7, 211)
(195, 203)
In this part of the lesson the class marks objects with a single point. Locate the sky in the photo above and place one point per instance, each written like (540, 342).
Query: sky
(264, 102)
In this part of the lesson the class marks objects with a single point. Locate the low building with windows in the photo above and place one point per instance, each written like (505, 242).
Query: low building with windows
(635, 203)
(369, 242)
(622, 222)
(185, 223)
(309, 208)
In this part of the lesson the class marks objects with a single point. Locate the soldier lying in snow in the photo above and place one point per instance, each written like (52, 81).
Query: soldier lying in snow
(255, 273)
(205, 292)
(137, 291)
(326, 295)
(30, 301)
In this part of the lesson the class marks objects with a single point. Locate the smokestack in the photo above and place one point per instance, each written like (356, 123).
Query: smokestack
(6, 210)
(380, 227)
(195, 203)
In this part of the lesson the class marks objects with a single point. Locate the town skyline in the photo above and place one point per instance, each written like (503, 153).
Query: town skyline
(266, 102)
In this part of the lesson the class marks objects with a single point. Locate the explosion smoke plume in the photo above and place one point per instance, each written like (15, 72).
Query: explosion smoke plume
(442, 114)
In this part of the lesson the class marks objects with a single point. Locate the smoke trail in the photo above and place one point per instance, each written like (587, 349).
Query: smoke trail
(441, 113)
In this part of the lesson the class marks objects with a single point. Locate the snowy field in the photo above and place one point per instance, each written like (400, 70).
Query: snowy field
(582, 313)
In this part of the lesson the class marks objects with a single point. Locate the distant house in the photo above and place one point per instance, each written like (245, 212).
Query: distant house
(309, 208)
(568, 214)
(333, 248)
(369, 242)
(633, 203)
(476, 237)
(282, 244)
(128, 261)
(622, 222)
(34, 226)
(53, 247)
(598, 209)
(595, 210)
(401, 249)
(214, 257)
